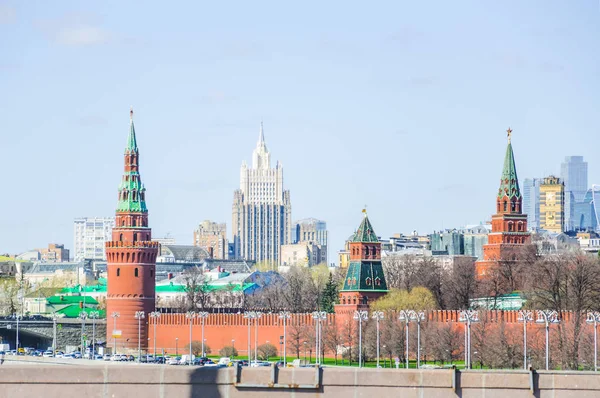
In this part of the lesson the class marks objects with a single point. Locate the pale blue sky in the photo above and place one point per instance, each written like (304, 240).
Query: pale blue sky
(401, 105)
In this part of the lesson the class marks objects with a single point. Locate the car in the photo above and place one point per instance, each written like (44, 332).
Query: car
(160, 360)
(98, 357)
(11, 352)
(68, 356)
(173, 361)
(279, 364)
(115, 358)
(130, 358)
(242, 362)
(106, 357)
(59, 354)
(48, 354)
(77, 355)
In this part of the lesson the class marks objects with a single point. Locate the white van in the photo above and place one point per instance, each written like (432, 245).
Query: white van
(185, 359)
(224, 361)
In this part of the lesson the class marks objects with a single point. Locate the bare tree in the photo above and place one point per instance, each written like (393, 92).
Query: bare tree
(197, 294)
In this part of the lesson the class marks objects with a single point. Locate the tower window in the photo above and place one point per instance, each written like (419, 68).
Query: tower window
(121, 238)
(136, 272)
(118, 271)
(134, 222)
(505, 205)
(151, 273)
(135, 237)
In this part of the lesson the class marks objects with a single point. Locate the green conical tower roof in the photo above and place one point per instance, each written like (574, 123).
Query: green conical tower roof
(365, 231)
(131, 141)
(509, 182)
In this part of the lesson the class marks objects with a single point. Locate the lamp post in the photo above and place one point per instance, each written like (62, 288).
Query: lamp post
(257, 316)
(318, 316)
(155, 316)
(233, 350)
(249, 315)
(418, 317)
(360, 316)
(468, 316)
(176, 346)
(115, 315)
(139, 315)
(405, 317)
(304, 351)
(593, 318)
(17, 317)
(378, 316)
(93, 315)
(525, 316)
(82, 316)
(190, 315)
(203, 315)
(55, 317)
(285, 315)
(547, 317)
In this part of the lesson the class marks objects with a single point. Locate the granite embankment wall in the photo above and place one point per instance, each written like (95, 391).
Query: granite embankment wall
(119, 381)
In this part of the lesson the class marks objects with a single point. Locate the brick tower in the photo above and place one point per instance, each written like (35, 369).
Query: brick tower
(131, 256)
(509, 224)
(365, 280)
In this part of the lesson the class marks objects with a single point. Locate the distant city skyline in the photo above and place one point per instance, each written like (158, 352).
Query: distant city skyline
(400, 106)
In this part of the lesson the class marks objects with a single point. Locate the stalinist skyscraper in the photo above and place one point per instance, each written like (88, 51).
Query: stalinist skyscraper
(262, 211)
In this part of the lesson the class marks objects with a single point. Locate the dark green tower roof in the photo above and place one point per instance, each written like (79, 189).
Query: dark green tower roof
(132, 193)
(509, 182)
(131, 141)
(365, 232)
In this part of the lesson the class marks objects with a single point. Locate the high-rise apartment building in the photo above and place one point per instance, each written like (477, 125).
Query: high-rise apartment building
(574, 175)
(311, 230)
(212, 237)
(54, 253)
(552, 205)
(90, 235)
(531, 201)
(262, 209)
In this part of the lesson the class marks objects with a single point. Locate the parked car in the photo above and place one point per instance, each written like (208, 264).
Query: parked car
(106, 357)
(77, 355)
(68, 356)
(160, 360)
(210, 363)
(173, 361)
(130, 358)
(59, 354)
(98, 357)
(48, 354)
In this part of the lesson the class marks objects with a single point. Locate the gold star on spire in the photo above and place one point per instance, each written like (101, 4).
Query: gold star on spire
(508, 134)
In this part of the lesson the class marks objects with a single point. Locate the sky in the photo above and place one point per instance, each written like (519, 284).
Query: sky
(401, 106)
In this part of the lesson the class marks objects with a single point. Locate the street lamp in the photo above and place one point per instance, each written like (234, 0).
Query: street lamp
(318, 316)
(155, 316)
(176, 346)
(115, 315)
(82, 316)
(203, 315)
(257, 316)
(285, 315)
(360, 316)
(233, 348)
(55, 316)
(594, 318)
(378, 316)
(190, 315)
(547, 317)
(139, 315)
(249, 315)
(305, 351)
(93, 315)
(418, 317)
(17, 317)
(525, 316)
(468, 316)
(405, 317)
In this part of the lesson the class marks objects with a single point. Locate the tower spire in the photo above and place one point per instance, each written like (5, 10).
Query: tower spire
(131, 141)
(509, 182)
(261, 135)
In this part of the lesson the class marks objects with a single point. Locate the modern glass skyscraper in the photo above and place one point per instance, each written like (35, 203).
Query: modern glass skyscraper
(262, 209)
(574, 173)
(531, 201)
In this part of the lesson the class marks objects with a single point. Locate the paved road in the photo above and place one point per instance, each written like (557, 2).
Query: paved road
(28, 360)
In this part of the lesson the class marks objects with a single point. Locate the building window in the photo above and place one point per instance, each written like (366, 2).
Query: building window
(118, 271)
(151, 273)
(135, 237)
(136, 272)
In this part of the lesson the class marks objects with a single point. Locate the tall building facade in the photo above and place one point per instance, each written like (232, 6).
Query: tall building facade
(312, 230)
(54, 253)
(531, 201)
(552, 205)
(212, 237)
(131, 257)
(91, 235)
(509, 224)
(574, 175)
(262, 209)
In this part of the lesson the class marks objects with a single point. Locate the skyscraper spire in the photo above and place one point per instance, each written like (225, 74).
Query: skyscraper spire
(261, 135)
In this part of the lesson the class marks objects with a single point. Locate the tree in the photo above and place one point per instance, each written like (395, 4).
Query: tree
(266, 351)
(332, 339)
(295, 337)
(228, 351)
(459, 285)
(418, 299)
(197, 294)
(330, 295)
(197, 348)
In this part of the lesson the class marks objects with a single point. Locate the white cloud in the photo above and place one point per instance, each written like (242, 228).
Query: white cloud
(75, 30)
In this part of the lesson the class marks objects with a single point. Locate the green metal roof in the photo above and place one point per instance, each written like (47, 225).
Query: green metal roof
(54, 300)
(131, 141)
(131, 189)
(365, 276)
(85, 289)
(509, 182)
(365, 232)
(207, 288)
(73, 311)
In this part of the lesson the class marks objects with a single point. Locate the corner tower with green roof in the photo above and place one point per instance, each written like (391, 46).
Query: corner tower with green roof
(509, 224)
(131, 256)
(365, 280)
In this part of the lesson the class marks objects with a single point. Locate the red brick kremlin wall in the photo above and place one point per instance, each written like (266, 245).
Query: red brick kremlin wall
(221, 329)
